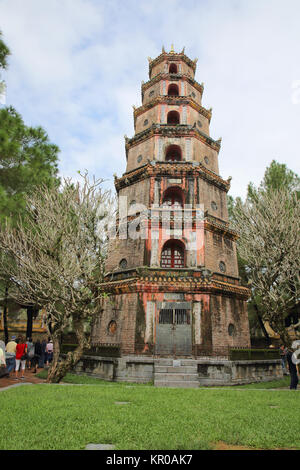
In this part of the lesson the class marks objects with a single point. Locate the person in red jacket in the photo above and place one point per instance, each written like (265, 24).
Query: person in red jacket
(21, 351)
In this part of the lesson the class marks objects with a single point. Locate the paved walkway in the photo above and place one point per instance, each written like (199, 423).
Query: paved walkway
(30, 378)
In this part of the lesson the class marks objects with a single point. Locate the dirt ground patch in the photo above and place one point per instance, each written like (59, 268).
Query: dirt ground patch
(223, 446)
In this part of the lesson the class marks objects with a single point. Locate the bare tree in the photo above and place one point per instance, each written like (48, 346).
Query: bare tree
(57, 260)
(269, 228)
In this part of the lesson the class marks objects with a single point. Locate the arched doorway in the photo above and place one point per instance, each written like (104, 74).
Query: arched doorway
(173, 254)
(173, 68)
(173, 198)
(173, 153)
(173, 90)
(173, 118)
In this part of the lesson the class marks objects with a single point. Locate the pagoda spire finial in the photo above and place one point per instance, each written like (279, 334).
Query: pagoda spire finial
(172, 49)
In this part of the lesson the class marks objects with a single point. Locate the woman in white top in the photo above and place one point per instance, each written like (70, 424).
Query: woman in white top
(3, 370)
(49, 352)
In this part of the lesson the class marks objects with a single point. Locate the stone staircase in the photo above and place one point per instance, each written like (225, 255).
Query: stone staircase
(175, 373)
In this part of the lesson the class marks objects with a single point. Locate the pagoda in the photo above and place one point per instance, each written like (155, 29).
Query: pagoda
(172, 282)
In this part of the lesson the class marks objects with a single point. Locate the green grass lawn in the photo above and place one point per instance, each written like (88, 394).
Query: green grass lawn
(85, 379)
(72, 416)
(278, 383)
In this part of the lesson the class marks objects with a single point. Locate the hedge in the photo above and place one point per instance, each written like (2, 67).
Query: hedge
(237, 354)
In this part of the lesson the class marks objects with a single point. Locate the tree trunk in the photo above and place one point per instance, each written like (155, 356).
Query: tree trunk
(29, 322)
(60, 366)
(5, 315)
(261, 323)
(59, 369)
(32, 312)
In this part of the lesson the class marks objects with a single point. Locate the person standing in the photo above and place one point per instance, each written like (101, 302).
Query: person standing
(37, 355)
(10, 356)
(2, 346)
(49, 352)
(3, 370)
(43, 355)
(292, 367)
(283, 352)
(30, 352)
(21, 352)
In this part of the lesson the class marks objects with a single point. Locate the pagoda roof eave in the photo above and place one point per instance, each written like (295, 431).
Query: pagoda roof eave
(158, 168)
(180, 130)
(156, 280)
(174, 56)
(161, 99)
(173, 76)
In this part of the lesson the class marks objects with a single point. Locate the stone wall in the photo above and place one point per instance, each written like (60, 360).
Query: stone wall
(131, 369)
(211, 372)
(223, 372)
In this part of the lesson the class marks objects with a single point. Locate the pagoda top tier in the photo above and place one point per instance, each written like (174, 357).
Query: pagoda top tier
(172, 62)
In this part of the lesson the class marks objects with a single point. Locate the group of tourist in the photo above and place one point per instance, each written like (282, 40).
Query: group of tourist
(18, 354)
(289, 366)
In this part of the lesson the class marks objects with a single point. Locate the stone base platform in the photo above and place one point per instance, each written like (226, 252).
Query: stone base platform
(180, 372)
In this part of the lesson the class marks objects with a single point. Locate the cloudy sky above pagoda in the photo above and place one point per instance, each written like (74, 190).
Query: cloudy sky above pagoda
(77, 65)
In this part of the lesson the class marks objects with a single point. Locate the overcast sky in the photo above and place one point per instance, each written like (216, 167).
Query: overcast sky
(77, 65)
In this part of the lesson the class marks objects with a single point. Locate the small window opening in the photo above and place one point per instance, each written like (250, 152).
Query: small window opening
(173, 68)
(172, 255)
(173, 118)
(173, 153)
(173, 198)
(173, 90)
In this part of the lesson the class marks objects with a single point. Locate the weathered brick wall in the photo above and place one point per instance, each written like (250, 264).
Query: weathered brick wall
(201, 150)
(156, 69)
(145, 149)
(138, 192)
(122, 310)
(131, 250)
(193, 92)
(152, 92)
(209, 194)
(217, 250)
(194, 117)
(227, 311)
(146, 119)
(186, 69)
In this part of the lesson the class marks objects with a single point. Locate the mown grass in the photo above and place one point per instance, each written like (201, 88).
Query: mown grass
(278, 383)
(85, 379)
(70, 417)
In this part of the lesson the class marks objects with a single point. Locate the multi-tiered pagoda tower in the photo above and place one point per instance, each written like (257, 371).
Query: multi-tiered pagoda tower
(172, 273)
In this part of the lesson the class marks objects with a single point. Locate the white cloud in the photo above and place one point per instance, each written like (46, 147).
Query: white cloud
(77, 65)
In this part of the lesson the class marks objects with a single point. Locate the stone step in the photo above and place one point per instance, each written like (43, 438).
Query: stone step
(182, 373)
(173, 377)
(171, 369)
(176, 384)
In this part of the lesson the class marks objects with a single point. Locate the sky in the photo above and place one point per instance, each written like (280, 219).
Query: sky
(77, 65)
